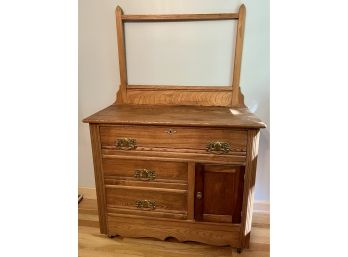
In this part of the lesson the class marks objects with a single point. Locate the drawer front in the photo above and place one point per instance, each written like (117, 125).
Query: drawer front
(144, 170)
(146, 201)
(221, 141)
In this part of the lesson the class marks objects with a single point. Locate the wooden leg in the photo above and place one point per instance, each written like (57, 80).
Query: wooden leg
(239, 250)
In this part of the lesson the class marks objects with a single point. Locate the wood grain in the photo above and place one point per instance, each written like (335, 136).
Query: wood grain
(155, 213)
(122, 94)
(181, 17)
(183, 231)
(163, 155)
(164, 171)
(119, 181)
(167, 200)
(183, 88)
(197, 116)
(221, 187)
(191, 190)
(179, 97)
(91, 243)
(261, 208)
(237, 99)
(98, 175)
(181, 138)
(249, 186)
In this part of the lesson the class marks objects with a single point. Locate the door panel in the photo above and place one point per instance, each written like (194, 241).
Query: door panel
(219, 193)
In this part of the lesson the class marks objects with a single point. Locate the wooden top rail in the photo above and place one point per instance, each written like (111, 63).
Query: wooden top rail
(180, 17)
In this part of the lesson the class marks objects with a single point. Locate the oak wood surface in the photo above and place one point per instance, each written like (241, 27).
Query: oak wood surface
(198, 116)
(237, 99)
(180, 17)
(191, 190)
(129, 226)
(249, 185)
(98, 175)
(221, 189)
(122, 94)
(179, 97)
(261, 207)
(158, 214)
(166, 200)
(164, 171)
(119, 181)
(93, 244)
(183, 138)
(184, 88)
(164, 155)
(223, 192)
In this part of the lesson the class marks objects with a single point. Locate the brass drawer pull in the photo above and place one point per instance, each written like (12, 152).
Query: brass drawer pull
(218, 146)
(145, 174)
(126, 143)
(145, 204)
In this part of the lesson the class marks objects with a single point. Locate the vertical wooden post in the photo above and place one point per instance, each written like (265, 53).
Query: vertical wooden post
(122, 93)
(191, 190)
(249, 185)
(98, 175)
(237, 98)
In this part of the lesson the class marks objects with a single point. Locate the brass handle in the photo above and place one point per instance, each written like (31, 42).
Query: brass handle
(145, 174)
(218, 146)
(145, 204)
(126, 143)
(170, 131)
(199, 195)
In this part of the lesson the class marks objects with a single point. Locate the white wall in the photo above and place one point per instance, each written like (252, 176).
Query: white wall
(98, 65)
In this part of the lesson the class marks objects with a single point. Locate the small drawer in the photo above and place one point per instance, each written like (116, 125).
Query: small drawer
(183, 139)
(171, 203)
(144, 170)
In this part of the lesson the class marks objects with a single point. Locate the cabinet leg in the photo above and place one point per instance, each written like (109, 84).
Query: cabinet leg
(239, 250)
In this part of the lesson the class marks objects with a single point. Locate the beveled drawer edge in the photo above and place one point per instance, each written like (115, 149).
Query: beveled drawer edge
(161, 180)
(168, 190)
(114, 208)
(157, 214)
(173, 126)
(242, 160)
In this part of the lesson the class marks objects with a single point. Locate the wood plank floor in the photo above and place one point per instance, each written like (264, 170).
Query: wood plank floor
(94, 244)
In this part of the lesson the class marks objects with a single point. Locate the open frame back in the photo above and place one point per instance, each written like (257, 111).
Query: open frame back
(230, 96)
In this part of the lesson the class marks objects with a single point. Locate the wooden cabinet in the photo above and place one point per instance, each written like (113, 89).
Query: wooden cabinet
(181, 184)
(181, 163)
(219, 193)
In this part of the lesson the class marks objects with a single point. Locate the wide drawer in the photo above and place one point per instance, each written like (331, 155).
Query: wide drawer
(184, 139)
(145, 170)
(168, 203)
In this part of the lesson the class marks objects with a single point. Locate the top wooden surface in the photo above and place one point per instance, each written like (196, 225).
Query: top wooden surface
(201, 116)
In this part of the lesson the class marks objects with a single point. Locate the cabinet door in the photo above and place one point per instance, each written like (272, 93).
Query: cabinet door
(219, 193)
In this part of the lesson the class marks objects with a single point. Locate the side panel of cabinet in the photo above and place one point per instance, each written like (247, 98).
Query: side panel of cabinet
(98, 175)
(219, 193)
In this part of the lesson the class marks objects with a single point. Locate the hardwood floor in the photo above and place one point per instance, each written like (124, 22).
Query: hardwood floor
(93, 244)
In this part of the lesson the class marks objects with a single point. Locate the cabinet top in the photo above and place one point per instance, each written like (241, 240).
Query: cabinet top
(200, 116)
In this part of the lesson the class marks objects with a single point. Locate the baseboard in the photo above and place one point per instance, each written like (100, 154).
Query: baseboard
(90, 193)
